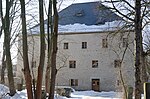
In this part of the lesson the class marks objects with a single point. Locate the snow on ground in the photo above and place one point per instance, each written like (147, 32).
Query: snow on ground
(75, 95)
(96, 95)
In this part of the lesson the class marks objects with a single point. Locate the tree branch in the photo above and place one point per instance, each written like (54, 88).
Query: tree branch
(121, 13)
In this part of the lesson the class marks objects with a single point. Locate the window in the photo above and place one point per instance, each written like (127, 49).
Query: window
(118, 82)
(5, 73)
(14, 74)
(125, 42)
(80, 13)
(104, 43)
(84, 45)
(117, 63)
(94, 63)
(33, 64)
(74, 82)
(65, 45)
(72, 64)
(14, 67)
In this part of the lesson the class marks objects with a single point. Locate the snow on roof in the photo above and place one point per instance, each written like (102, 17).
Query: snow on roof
(108, 26)
(84, 17)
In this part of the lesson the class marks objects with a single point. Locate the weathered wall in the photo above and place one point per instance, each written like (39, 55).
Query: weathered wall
(84, 72)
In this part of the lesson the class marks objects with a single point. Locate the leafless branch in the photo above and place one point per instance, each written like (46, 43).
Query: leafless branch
(121, 12)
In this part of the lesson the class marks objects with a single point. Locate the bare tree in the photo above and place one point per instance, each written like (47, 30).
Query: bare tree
(11, 13)
(26, 70)
(54, 36)
(42, 52)
(3, 57)
(7, 38)
(136, 18)
(139, 51)
(49, 27)
(122, 54)
(3, 66)
(1, 17)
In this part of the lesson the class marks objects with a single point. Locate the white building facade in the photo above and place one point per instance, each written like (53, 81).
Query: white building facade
(94, 59)
(90, 57)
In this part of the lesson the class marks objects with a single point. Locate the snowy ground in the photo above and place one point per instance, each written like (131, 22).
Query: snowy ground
(95, 95)
(75, 95)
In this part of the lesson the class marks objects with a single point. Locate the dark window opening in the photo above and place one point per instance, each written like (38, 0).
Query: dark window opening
(72, 64)
(84, 45)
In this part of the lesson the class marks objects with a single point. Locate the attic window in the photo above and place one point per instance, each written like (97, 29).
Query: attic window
(79, 13)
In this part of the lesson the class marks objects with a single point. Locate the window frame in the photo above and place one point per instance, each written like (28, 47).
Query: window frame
(74, 82)
(84, 45)
(33, 64)
(125, 42)
(105, 43)
(72, 64)
(117, 63)
(66, 46)
(14, 67)
(118, 82)
(94, 63)
(14, 74)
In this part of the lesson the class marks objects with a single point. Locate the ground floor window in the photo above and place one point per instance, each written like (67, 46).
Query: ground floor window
(96, 84)
(74, 82)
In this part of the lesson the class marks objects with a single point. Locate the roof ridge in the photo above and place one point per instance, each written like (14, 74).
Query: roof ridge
(86, 2)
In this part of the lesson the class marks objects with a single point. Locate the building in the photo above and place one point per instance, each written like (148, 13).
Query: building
(93, 51)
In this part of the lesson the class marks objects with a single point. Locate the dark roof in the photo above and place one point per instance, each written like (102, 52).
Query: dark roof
(91, 13)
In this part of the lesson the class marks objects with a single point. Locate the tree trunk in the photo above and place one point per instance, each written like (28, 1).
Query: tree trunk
(25, 53)
(49, 25)
(144, 77)
(3, 57)
(54, 51)
(138, 39)
(3, 67)
(1, 16)
(42, 52)
(7, 38)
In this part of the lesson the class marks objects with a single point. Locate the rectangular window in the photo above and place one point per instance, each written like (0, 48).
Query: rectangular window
(14, 74)
(118, 82)
(5, 72)
(14, 67)
(125, 42)
(65, 45)
(117, 63)
(94, 63)
(104, 43)
(84, 45)
(74, 82)
(33, 64)
(72, 64)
